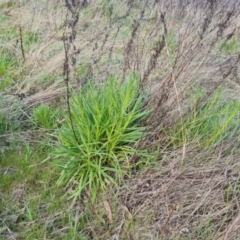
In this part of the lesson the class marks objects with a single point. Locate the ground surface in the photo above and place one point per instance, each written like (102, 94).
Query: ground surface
(183, 53)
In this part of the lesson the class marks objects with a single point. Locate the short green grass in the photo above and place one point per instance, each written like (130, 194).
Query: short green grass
(231, 46)
(46, 117)
(208, 125)
(11, 56)
(7, 66)
(4, 125)
(30, 202)
(10, 120)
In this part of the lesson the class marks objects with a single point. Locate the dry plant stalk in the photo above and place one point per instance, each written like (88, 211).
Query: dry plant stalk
(21, 43)
(70, 51)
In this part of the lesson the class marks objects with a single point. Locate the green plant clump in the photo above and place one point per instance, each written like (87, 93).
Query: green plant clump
(3, 123)
(211, 124)
(105, 120)
(7, 64)
(45, 116)
(231, 46)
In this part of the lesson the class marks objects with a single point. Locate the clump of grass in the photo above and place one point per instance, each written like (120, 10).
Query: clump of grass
(231, 46)
(13, 121)
(7, 64)
(98, 145)
(10, 119)
(45, 116)
(82, 70)
(210, 124)
(4, 126)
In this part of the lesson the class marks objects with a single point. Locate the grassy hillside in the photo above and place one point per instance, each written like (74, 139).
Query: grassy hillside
(119, 119)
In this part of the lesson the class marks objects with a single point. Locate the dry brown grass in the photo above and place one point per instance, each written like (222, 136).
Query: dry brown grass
(189, 193)
(194, 200)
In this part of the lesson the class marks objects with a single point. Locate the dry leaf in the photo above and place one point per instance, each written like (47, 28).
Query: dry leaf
(59, 122)
(108, 210)
(127, 211)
